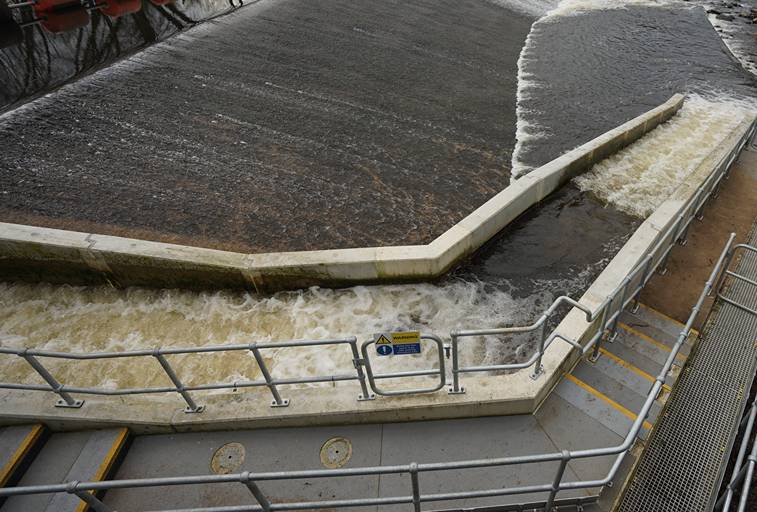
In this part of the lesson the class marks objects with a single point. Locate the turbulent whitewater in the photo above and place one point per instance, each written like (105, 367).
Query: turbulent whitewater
(639, 178)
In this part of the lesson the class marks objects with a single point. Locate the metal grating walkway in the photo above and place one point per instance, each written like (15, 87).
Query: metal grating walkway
(682, 467)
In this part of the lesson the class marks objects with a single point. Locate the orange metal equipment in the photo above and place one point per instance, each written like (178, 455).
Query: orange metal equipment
(118, 8)
(60, 15)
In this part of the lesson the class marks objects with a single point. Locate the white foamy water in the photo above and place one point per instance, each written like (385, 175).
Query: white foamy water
(86, 319)
(571, 7)
(639, 178)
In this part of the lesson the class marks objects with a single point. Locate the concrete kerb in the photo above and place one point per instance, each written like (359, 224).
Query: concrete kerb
(43, 254)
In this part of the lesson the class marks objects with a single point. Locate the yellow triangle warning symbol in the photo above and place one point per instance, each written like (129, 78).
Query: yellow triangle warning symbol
(383, 340)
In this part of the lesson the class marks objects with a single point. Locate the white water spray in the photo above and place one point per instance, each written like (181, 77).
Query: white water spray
(639, 178)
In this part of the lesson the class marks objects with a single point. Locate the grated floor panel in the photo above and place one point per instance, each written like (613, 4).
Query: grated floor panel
(682, 467)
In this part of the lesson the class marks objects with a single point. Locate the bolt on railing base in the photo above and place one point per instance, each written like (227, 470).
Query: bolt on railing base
(460, 391)
(65, 405)
(537, 372)
(363, 398)
(196, 410)
(284, 403)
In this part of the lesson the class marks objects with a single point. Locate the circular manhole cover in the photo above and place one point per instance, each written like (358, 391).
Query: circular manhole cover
(336, 452)
(227, 459)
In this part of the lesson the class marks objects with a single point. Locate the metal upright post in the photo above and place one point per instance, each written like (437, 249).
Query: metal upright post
(538, 367)
(642, 284)
(277, 400)
(598, 345)
(255, 490)
(88, 498)
(66, 400)
(556, 482)
(191, 407)
(365, 394)
(456, 389)
(416, 487)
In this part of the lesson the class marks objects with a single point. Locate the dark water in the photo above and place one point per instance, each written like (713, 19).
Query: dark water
(595, 70)
(287, 125)
(41, 49)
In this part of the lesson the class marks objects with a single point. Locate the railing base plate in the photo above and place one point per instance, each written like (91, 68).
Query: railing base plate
(65, 405)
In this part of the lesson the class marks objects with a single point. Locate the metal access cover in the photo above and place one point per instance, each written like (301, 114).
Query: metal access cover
(336, 452)
(227, 459)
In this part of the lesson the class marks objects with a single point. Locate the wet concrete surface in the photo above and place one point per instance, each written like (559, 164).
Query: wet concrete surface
(288, 125)
(689, 267)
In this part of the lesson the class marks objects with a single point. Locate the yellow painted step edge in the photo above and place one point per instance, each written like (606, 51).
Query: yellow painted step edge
(108, 462)
(609, 401)
(665, 317)
(23, 449)
(650, 340)
(628, 366)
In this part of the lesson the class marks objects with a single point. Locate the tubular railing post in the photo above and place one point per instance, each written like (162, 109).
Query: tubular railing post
(255, 490)
(612, 332)
(742, 452)
(556, 483)
(719, 284)
(642, 284)
(277, 400)
(358, 363)
(89, 499)
(598, 345)
(191, 407)
(66, 400)
(538, 367)
(416, 487)
(751, 461)
(456, 389)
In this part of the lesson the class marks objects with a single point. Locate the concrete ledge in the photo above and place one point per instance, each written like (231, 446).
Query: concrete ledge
(41, 254)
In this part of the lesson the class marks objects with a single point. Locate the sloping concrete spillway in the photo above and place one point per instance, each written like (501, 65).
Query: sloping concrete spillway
(287, 125)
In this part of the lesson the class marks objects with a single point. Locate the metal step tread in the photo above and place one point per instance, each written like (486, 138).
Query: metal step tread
(18, 445)
(616, 381)
(82, 456)
(655, 322)
(682, 467)
(645, 345)
(597, 405)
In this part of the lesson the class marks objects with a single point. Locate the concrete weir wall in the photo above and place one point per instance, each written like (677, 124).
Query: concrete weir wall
(41, 254)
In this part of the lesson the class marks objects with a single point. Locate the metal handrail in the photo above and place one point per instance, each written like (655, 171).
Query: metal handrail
(606, 315)
(726, 273)
(413, 469)
(743, 470)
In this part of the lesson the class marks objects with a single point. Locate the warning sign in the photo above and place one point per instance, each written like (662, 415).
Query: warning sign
(384, 345)
(398, 343)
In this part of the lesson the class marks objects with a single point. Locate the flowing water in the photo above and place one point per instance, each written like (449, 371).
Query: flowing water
(582, 70)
